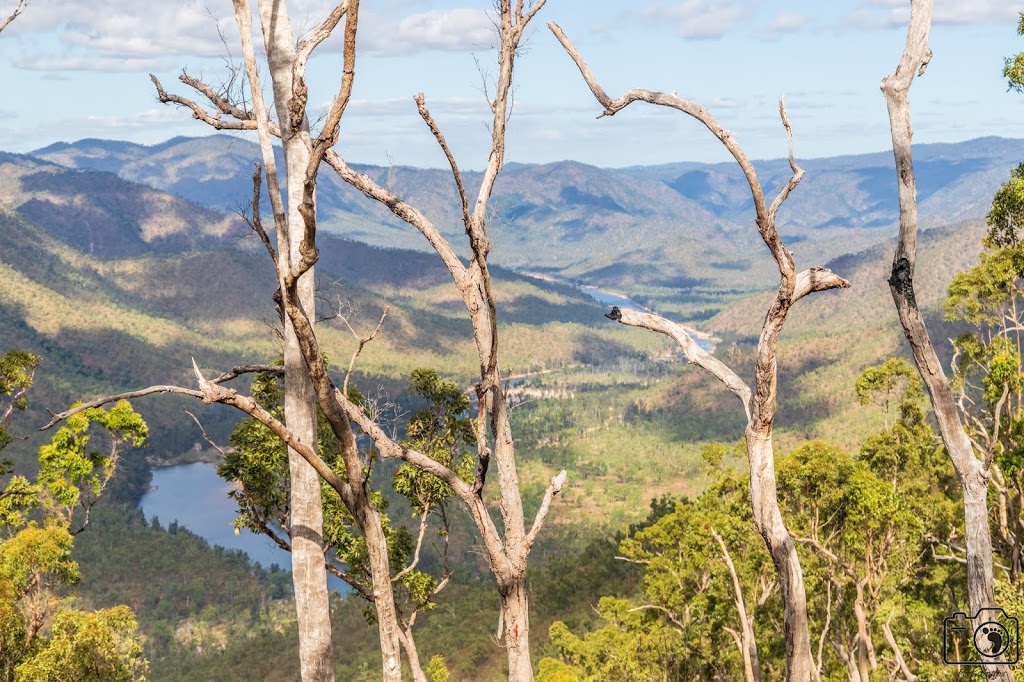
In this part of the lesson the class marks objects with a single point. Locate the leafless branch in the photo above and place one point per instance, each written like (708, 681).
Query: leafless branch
(798, 172)
(416, 553)
(817, 279)
(257, 223)
(199, 112)
(223, 105)
(206, 437)
(402, 210)
(657, 607)
(362, 344)
(261, 117)
(691, 349)
(891, 641)
(553, 489)
(429, 120)
(18, 9)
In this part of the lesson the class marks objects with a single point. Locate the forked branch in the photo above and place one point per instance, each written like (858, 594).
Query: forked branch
(765, 215)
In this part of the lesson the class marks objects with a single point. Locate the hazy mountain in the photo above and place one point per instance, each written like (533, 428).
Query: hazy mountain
(652, 230)
(118, 285)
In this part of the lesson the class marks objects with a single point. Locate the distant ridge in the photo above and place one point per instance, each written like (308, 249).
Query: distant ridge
(644, 229)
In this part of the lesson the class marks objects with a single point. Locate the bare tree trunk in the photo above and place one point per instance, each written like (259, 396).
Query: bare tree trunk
(746, 640)
(412, 655)
(863, 639)
(309, 573)
(973, 473)
(515, 612)
(769, 523)
(850, 661)
(383, 593)
(759, 404)
(900, 661)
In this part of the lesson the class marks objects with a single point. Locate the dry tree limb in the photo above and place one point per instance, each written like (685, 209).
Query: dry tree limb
(18, 9)
(362, 341)
(972, 473)
(760, 405)
(421, 106)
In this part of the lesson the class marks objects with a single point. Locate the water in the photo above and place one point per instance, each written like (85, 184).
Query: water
(197, 498)
(608, 298)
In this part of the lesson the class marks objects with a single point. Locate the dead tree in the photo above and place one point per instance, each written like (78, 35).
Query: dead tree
(507, 549)
(759, 404)
(972, 472)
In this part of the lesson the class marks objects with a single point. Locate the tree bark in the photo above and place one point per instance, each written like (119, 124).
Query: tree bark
(863, 638)
(973, 474)
(745, 640)
(309, 573)
(769, 523)
(515, 610)
(383, 592)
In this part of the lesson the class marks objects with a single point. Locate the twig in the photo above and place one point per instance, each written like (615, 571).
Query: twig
(205, 436)
(362, 344)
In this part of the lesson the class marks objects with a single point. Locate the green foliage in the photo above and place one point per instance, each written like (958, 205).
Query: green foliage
(259, 462)
(71, 474)
(101, 646)
(436, 670)
(1006, 217)
(1013, 69)
(40, 637)
(681, 629)
(16, 370)
(440, 430)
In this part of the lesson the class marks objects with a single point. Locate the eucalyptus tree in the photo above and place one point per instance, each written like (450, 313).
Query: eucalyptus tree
(759, 404)
(507, 549)
(988, 372)
(973, 469)
(42, 635)
(1013, 68)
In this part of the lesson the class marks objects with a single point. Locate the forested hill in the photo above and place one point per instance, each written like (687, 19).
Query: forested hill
(645, 228)
(117, 285)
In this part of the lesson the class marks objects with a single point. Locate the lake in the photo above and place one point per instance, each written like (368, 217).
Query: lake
(197, 498)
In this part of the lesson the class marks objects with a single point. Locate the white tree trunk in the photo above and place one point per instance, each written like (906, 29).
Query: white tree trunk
(309, 573)
(769, 523)
(973, 474)
(515, 612)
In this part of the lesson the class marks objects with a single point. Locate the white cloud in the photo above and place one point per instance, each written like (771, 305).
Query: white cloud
(126, 35)
(698, 19)
(896, 13)
(89, 63)
(452, 30)
(788, 22)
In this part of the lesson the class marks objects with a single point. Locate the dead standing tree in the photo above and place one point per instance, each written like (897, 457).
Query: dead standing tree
(507, 550)
(972, 472)
(759, 404)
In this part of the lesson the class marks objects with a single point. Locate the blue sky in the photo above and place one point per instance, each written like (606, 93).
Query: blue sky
(78, 68)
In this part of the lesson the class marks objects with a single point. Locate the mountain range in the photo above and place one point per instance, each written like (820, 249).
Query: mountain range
(122, 261)
(651, 230)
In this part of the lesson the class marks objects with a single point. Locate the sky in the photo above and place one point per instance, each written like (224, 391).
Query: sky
(72, 69)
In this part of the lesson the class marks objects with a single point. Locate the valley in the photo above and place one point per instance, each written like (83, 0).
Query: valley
(121, 262)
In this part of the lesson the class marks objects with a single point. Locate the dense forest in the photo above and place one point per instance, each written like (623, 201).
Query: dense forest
(441, 389)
